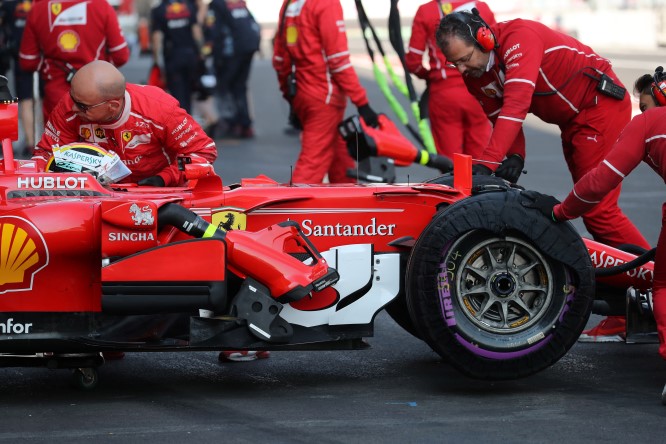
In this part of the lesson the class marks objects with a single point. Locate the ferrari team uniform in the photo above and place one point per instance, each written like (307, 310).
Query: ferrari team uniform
(175, 20)
(643, 139)
(538, 70)
(312, 42)
(62, 36)
(456, 119)
(149, 134)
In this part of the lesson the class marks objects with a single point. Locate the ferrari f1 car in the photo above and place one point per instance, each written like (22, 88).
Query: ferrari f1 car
(492, 286)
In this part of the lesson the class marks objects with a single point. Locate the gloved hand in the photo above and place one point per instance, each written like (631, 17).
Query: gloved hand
(542, 202)
(369, 115)
(294, 121)
(511, 168)
(442, 163)
(481, 170)
(152, 181)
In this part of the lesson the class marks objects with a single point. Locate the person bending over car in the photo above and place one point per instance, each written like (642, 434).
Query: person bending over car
(643, 139)
(144, 125)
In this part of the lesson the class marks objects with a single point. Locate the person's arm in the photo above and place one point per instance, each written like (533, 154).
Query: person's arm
(417, 46)
(157, 37)
(281, 58)
(626, 154)
(333, 36)
(30, 55)
(522, 70)
(184, 139)
(116, 44)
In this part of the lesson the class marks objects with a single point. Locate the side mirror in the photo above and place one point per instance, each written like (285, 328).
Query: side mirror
(195, 167)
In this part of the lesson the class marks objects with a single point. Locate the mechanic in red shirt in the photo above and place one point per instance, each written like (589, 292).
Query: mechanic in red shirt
(643, 139)
(143, 124)
(62, 36)
(522, 66)
(456, 118)
(311, 43)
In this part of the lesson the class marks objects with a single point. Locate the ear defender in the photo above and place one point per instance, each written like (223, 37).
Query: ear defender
(478, 29)
(658, 87)
(486, 39)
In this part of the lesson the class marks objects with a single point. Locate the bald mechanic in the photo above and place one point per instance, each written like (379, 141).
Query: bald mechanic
(144, 125)
(522, 66)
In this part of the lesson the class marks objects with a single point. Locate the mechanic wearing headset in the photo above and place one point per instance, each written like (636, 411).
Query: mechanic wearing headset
(456, 118)
(643, 139)
(522, 66)
(316, 76)
(142, 124)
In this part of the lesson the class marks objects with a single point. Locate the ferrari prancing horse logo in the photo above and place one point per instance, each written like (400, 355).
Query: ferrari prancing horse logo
(56, 8)
(127, 136)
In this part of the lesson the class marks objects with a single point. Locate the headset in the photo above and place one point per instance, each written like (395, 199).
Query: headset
(658, 87)
(479, 30)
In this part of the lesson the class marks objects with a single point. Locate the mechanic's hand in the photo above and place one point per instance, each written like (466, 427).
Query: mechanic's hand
(542, 202)
(294, 121)
(152, 181)
(511, 168)
(481, 170)
(442, 163)
(369, 115)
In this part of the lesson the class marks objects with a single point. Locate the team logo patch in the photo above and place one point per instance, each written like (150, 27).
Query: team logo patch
(69, 41)
(85, 133)
(99, 133)
(24, 253)
(126, 136)
(447, 8)
(142, 215)
(56, 8)
(230, 220)
(25, 6)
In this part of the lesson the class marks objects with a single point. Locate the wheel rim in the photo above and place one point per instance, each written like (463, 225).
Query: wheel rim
(504, 285)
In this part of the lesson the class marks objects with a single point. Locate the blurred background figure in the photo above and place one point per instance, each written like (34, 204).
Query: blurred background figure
(456, 118)
(13, 17)
(176, 42)
(60, 37)
(236, 37)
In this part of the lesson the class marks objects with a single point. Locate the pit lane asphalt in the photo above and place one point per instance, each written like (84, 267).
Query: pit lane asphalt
(396, 391)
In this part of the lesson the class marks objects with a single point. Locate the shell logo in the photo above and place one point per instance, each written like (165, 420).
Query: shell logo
(25, 6)
(175, 8)
(490, 92)
(292, 35)
(68, 41)
(23, 253)
(85, 133)
(447, 8)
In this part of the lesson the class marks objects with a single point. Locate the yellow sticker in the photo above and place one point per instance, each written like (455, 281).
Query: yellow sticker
(229, 220)
(56, 8)
(292, 35)
(447, 8)
(127, 136)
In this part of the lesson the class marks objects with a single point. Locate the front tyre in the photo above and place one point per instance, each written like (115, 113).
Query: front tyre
(498, 290)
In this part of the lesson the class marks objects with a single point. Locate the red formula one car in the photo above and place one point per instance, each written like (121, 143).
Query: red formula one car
(492, 286)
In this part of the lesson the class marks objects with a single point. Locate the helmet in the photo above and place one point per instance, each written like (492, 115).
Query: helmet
(81, 157)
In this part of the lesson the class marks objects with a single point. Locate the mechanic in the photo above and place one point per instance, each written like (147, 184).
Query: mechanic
(316, 76)
(643, 139)
(456, 118)
(143, 124)
(14, 16)
(521, 65)
(176, 38)
(60, 37)
(237, 37)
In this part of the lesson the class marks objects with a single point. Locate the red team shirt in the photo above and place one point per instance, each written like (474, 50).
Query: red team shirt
(151, 131)
(60, 35)
(316, 43)
(506, 91)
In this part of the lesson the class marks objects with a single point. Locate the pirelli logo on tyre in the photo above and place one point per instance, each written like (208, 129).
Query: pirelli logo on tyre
(23, 254)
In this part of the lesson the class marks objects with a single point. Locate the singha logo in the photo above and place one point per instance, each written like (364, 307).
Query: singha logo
(142, 216)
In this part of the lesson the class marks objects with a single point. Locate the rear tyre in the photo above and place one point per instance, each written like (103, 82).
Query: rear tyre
(497, 289)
